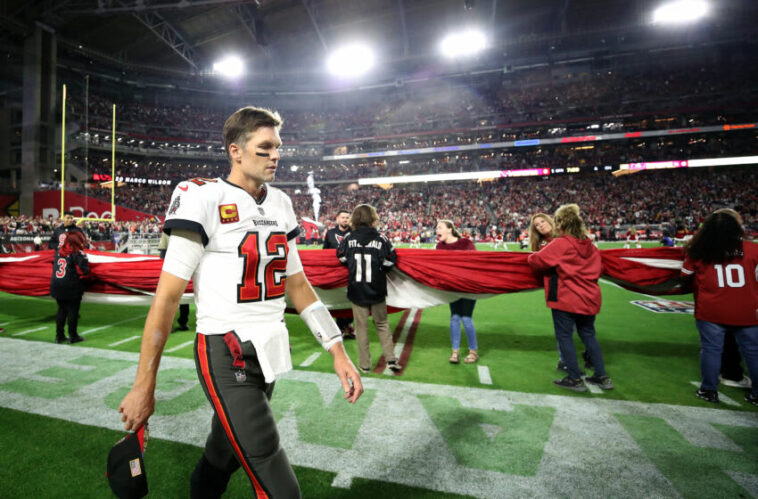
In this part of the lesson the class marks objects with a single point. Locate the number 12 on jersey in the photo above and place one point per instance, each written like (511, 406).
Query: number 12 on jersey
(273, 266)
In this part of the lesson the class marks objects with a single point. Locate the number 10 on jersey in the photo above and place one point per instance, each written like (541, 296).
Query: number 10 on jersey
(273, 267)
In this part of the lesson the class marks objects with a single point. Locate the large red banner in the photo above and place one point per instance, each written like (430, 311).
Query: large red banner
(48, 203)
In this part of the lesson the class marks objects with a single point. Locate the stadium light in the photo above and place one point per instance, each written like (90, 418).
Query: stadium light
(350, 61)
(680, 12)
(229, 67)
(464, 43)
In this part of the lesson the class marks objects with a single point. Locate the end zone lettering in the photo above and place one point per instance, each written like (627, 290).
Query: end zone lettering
(664, 306)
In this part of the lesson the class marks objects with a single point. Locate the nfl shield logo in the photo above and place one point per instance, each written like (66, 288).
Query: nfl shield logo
(260, 210)
(241, 376)
(174, 205)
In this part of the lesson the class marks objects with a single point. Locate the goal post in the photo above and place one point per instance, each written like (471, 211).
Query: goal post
(63, 164)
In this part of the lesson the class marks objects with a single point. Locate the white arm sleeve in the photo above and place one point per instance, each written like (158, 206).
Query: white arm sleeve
(294, 265)
(321, 324)
(185, 249)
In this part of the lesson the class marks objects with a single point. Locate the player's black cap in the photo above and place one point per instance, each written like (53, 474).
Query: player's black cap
(126, 466)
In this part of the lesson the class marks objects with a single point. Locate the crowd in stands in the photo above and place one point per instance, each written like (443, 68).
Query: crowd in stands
(706, 93)
(95, 231)
(679, 198)
(161, 142)
(611, 152)
(675, 198)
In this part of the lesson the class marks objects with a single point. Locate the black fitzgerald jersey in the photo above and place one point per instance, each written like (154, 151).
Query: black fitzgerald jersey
(368, 255)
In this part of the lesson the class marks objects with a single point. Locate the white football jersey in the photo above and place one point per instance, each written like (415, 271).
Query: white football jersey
(240, 280)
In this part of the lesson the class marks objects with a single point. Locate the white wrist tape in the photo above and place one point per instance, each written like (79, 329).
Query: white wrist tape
(321, 324)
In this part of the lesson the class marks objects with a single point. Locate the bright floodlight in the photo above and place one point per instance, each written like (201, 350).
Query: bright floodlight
(229, 67)
(350, 61)
(680, 11)
(462, 44)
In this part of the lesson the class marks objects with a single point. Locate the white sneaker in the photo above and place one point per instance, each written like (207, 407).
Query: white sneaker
(743, 383)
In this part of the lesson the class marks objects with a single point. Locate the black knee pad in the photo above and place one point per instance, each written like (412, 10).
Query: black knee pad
(208, 482)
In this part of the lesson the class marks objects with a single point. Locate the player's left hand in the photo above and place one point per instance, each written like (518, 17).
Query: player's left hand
(348, 374)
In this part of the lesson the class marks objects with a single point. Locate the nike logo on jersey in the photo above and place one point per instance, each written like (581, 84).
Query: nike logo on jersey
(184, 187)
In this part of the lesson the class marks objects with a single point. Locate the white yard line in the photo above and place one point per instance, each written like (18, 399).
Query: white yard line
(124, 341)
(484, 375)
(342, 480)
(111, 325)
(311, 359)
(722, 398)
(594, 389)
(403, 336)
(30, 331)
(180, 346)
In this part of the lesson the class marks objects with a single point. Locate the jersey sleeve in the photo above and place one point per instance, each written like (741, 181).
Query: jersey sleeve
(191, 208)
(389, 256)
(342, 251)
(328, 240)
(290, 220)
(688, 267)
(82, 263)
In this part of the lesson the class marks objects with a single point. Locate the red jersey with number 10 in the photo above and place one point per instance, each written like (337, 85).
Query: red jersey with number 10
(727, 293)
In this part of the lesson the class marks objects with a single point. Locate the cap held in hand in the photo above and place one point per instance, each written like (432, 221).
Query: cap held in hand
(126, 466)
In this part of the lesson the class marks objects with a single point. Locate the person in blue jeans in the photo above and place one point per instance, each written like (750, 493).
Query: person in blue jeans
(462, 310)
(724, 270)
(571, 267)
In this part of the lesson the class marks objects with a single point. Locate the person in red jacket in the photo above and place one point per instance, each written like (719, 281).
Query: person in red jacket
(462, 310)
(724, 267)
(572, 267)
(541, 232)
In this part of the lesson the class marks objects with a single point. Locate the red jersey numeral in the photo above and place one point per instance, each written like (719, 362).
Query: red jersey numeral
(61, 270)
(251, 288)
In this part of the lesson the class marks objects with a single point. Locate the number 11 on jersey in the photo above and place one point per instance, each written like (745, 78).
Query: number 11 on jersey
(359, 270)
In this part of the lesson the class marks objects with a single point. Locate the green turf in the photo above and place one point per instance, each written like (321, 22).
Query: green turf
(62, 460)
(652, 358)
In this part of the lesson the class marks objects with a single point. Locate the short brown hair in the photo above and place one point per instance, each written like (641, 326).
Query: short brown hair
(364, 215)
(568, 221)
(247, 120)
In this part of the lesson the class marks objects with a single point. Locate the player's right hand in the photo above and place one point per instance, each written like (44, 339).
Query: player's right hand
(348, 374)
(136, 408)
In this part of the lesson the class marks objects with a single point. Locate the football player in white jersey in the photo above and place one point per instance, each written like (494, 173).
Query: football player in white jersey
(235, 237)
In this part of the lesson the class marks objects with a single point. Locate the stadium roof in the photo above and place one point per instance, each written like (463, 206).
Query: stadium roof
(290, 39)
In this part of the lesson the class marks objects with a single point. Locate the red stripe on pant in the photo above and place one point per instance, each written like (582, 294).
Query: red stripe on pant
(218, 407)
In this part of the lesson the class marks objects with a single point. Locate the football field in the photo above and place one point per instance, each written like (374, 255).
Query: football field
(498, 428)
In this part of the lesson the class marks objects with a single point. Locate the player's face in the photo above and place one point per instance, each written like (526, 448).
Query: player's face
(258, 158)
(68, 220)
(542, 226)
(342, 220)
